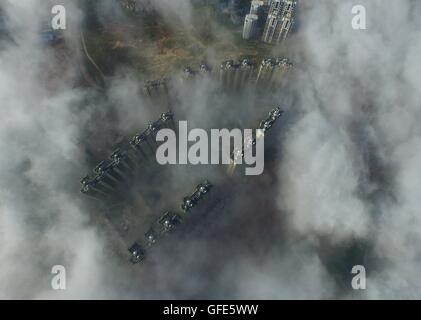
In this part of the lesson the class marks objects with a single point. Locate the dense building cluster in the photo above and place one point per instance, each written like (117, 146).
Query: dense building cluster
(191, 201)
(272, 71)
(170, 220)
(110, 178)
(235, 75)
(232, 76)
(270, 20)
(110, 174)
(265, 125)
(167, 223)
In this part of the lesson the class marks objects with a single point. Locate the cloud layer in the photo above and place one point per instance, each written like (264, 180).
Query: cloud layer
(342, 187)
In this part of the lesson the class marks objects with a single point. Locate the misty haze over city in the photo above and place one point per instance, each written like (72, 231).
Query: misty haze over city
(341, 183)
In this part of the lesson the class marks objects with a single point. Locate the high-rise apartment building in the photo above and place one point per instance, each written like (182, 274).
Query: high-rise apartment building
(250, 26)
(280, 21)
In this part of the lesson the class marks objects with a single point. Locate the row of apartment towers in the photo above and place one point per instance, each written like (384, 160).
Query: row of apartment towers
(231, 76)
(270, 20)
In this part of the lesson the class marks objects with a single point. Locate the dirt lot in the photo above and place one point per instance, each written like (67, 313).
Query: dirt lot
(155, 49)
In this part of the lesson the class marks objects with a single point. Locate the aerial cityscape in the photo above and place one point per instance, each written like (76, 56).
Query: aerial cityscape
(210, 149)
